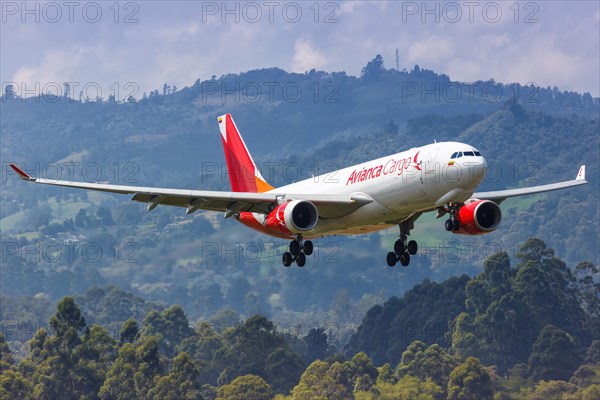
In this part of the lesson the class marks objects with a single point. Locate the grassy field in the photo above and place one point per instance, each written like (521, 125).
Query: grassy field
(60, 212)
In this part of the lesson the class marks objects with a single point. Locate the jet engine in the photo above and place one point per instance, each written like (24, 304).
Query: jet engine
(296, 216)
(479, 217)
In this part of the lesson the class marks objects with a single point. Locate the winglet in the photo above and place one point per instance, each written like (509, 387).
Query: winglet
(22, 174)
(581, 174)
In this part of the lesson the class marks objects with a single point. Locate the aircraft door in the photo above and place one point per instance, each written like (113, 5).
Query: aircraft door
(430, 171)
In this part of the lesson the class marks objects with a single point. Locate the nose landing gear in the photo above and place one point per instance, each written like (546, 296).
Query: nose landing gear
(452, 223)
(298, 252)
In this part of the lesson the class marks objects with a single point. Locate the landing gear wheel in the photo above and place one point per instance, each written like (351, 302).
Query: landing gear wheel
(301, 260)
(456, 225)
(405, 259)
(392, 259)
(412, 247)
(287, 259)
(295, 247)
(448, 225)
(308, 248)
(399, 247)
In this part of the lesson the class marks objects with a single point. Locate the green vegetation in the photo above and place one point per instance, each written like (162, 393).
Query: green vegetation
(554, 355)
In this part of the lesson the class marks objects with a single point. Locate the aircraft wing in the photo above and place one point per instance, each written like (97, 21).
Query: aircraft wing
(501, 195)
(329, 206)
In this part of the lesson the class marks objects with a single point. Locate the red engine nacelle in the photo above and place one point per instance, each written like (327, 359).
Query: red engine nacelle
(479, 217)
(296, 216)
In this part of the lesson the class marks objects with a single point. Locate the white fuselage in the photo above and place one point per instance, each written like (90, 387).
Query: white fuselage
(400, 185)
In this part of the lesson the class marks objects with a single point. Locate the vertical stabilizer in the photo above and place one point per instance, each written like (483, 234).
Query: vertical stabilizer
(243, 172)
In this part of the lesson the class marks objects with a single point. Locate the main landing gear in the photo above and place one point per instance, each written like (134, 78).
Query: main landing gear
(402, 252)
(452, 223)
(298, 252)
(403, 249)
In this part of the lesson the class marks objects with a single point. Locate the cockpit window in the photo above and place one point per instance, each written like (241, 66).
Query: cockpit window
(459, 154)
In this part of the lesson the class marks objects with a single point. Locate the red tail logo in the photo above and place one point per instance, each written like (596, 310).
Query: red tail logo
(243, 173)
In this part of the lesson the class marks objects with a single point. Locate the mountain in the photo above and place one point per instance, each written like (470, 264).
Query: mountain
(57, 242)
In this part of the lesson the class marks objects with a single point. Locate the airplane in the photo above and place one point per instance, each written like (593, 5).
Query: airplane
(394, 190)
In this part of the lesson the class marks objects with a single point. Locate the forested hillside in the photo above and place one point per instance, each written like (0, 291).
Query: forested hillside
(526, 331)
(161, 304)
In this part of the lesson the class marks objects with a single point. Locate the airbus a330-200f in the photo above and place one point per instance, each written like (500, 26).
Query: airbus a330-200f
(390, 191)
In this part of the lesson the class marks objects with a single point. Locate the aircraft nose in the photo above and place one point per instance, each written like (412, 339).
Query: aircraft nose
(479, 169)
(475, 169)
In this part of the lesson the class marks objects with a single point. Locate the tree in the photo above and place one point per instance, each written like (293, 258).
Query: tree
(105, 216)
(317, 383)
(81, 219)
(409, 387)
(534, 250)
(555, 355)
(374, 67)
(247, 387)
(68, 316)
(13, 385)
(149, 364)
(250, 349)
(119, 382)
(134, 373)
(422, 362)
(65, 366)
(129, 331)
(358, 374)
(171, 325)
(6, 360)
(182, 383)
(470, 381)
(206, 348)
(283, 369)
(586, 375)
(386, 331)
(546, 390)
(591, 393)
(592, 354)
(506, 309)
(316, 345)
(224, 318)
(588, 293)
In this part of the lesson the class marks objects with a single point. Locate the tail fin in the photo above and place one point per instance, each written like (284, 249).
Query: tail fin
(243, 173)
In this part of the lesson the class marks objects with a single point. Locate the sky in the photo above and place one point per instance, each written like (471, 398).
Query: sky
(133, 47)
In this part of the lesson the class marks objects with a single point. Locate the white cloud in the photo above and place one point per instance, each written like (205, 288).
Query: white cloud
(430, 50)
(171, 45)
(57, 66)
(306, 57)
